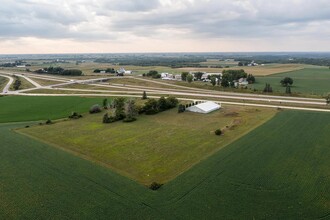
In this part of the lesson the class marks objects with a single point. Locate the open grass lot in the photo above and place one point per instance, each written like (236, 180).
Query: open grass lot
(310, 81)
(19, 108)
(154, 148)
(265, 70)
(45, 82)
(278, 171)
(3, 82)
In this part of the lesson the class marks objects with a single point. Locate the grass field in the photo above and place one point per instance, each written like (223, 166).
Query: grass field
(3, 82)
(265, 70)
(278, 171)
(18, 108)
(311, 81)
(45, 82)
(154, 148)
(24, 84)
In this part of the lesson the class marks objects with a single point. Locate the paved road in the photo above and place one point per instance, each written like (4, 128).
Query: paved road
(135, 91)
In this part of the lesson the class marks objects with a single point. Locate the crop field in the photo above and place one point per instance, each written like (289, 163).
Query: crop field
(154, 148)
(19, 108)
(278, 171)
(311, 81)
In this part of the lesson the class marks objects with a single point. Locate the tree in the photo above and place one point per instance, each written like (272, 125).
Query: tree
(287, 81)
(250, 78)
(198, 75)
(190, 78)
(105, 103)
(288, 89)
(151, 107)
(119, 104)
(240, 64)
(213, 80)
(184, 76)
(162, 104)
(130, 111)
(172, 102)
(218, 132)
(181, 108)
(95, 109)
(268, 88)
(144, 95)
(225, 82)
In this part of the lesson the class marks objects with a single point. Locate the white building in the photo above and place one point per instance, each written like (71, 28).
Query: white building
(204, 108)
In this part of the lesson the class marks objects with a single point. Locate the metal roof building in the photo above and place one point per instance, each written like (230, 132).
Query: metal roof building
(204, 108)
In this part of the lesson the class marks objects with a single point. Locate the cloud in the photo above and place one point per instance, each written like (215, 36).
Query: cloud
(125, 21)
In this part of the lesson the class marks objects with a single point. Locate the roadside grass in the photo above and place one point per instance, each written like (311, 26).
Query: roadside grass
(309, 81)
(45, 82)
(24, 84)
(3, 82)
(154, 148)
(20, 108)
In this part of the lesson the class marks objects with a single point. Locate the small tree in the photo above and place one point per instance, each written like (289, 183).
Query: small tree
(184, 76)
(151, 107)
(144, 95)
(95, 109)
(251, 79)
(199, 75)
(190, 78)
(155, 186)
(119, 105)
(268, 88)
(288, 90)
(105, 103)
(287, 81)
(181, 108)
(213, 80)
(130, 111)
(225, 83)
(218, 132)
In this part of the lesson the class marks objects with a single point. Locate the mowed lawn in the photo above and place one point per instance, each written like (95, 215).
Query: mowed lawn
(154, 148)
(278, 171)
(21, 108)
(3, 82)
(311, 81)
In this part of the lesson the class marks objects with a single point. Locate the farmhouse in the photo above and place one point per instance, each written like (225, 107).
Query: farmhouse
(205, 107)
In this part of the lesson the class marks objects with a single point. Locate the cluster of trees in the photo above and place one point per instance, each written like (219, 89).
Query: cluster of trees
(153, 73)
(230, 76)
(17, 84)
(268, 88)
(108, 70)
(153, 106)
(120, 109)
(60, 71)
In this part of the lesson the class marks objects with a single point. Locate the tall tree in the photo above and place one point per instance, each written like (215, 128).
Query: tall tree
(213, 80)
(144, 95)
(190, 78)
(287, 81)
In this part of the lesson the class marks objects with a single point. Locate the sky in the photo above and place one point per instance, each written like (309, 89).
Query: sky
(115, 26)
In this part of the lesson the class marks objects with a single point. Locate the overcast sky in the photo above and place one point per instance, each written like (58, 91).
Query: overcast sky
(105, 26)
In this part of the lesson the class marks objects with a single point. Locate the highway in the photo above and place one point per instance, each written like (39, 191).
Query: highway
(176, 90)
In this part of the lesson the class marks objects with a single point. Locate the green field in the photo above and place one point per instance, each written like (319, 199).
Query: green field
(310, 81)
(3, 82)
(19, 108)
(154, 148)
(278, 171)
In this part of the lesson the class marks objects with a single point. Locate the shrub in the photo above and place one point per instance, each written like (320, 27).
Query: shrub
(75, 115)
(182, 108)
(129, 119)
(95, 109)
(218, 132)
(48, 122)
(155, 186)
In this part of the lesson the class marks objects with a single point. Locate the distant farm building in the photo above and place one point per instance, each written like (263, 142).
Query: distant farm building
(204, 108)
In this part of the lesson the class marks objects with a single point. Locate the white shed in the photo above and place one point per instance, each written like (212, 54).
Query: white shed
(204, 108)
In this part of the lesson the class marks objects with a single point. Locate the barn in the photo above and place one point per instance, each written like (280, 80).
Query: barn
(204, 108)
